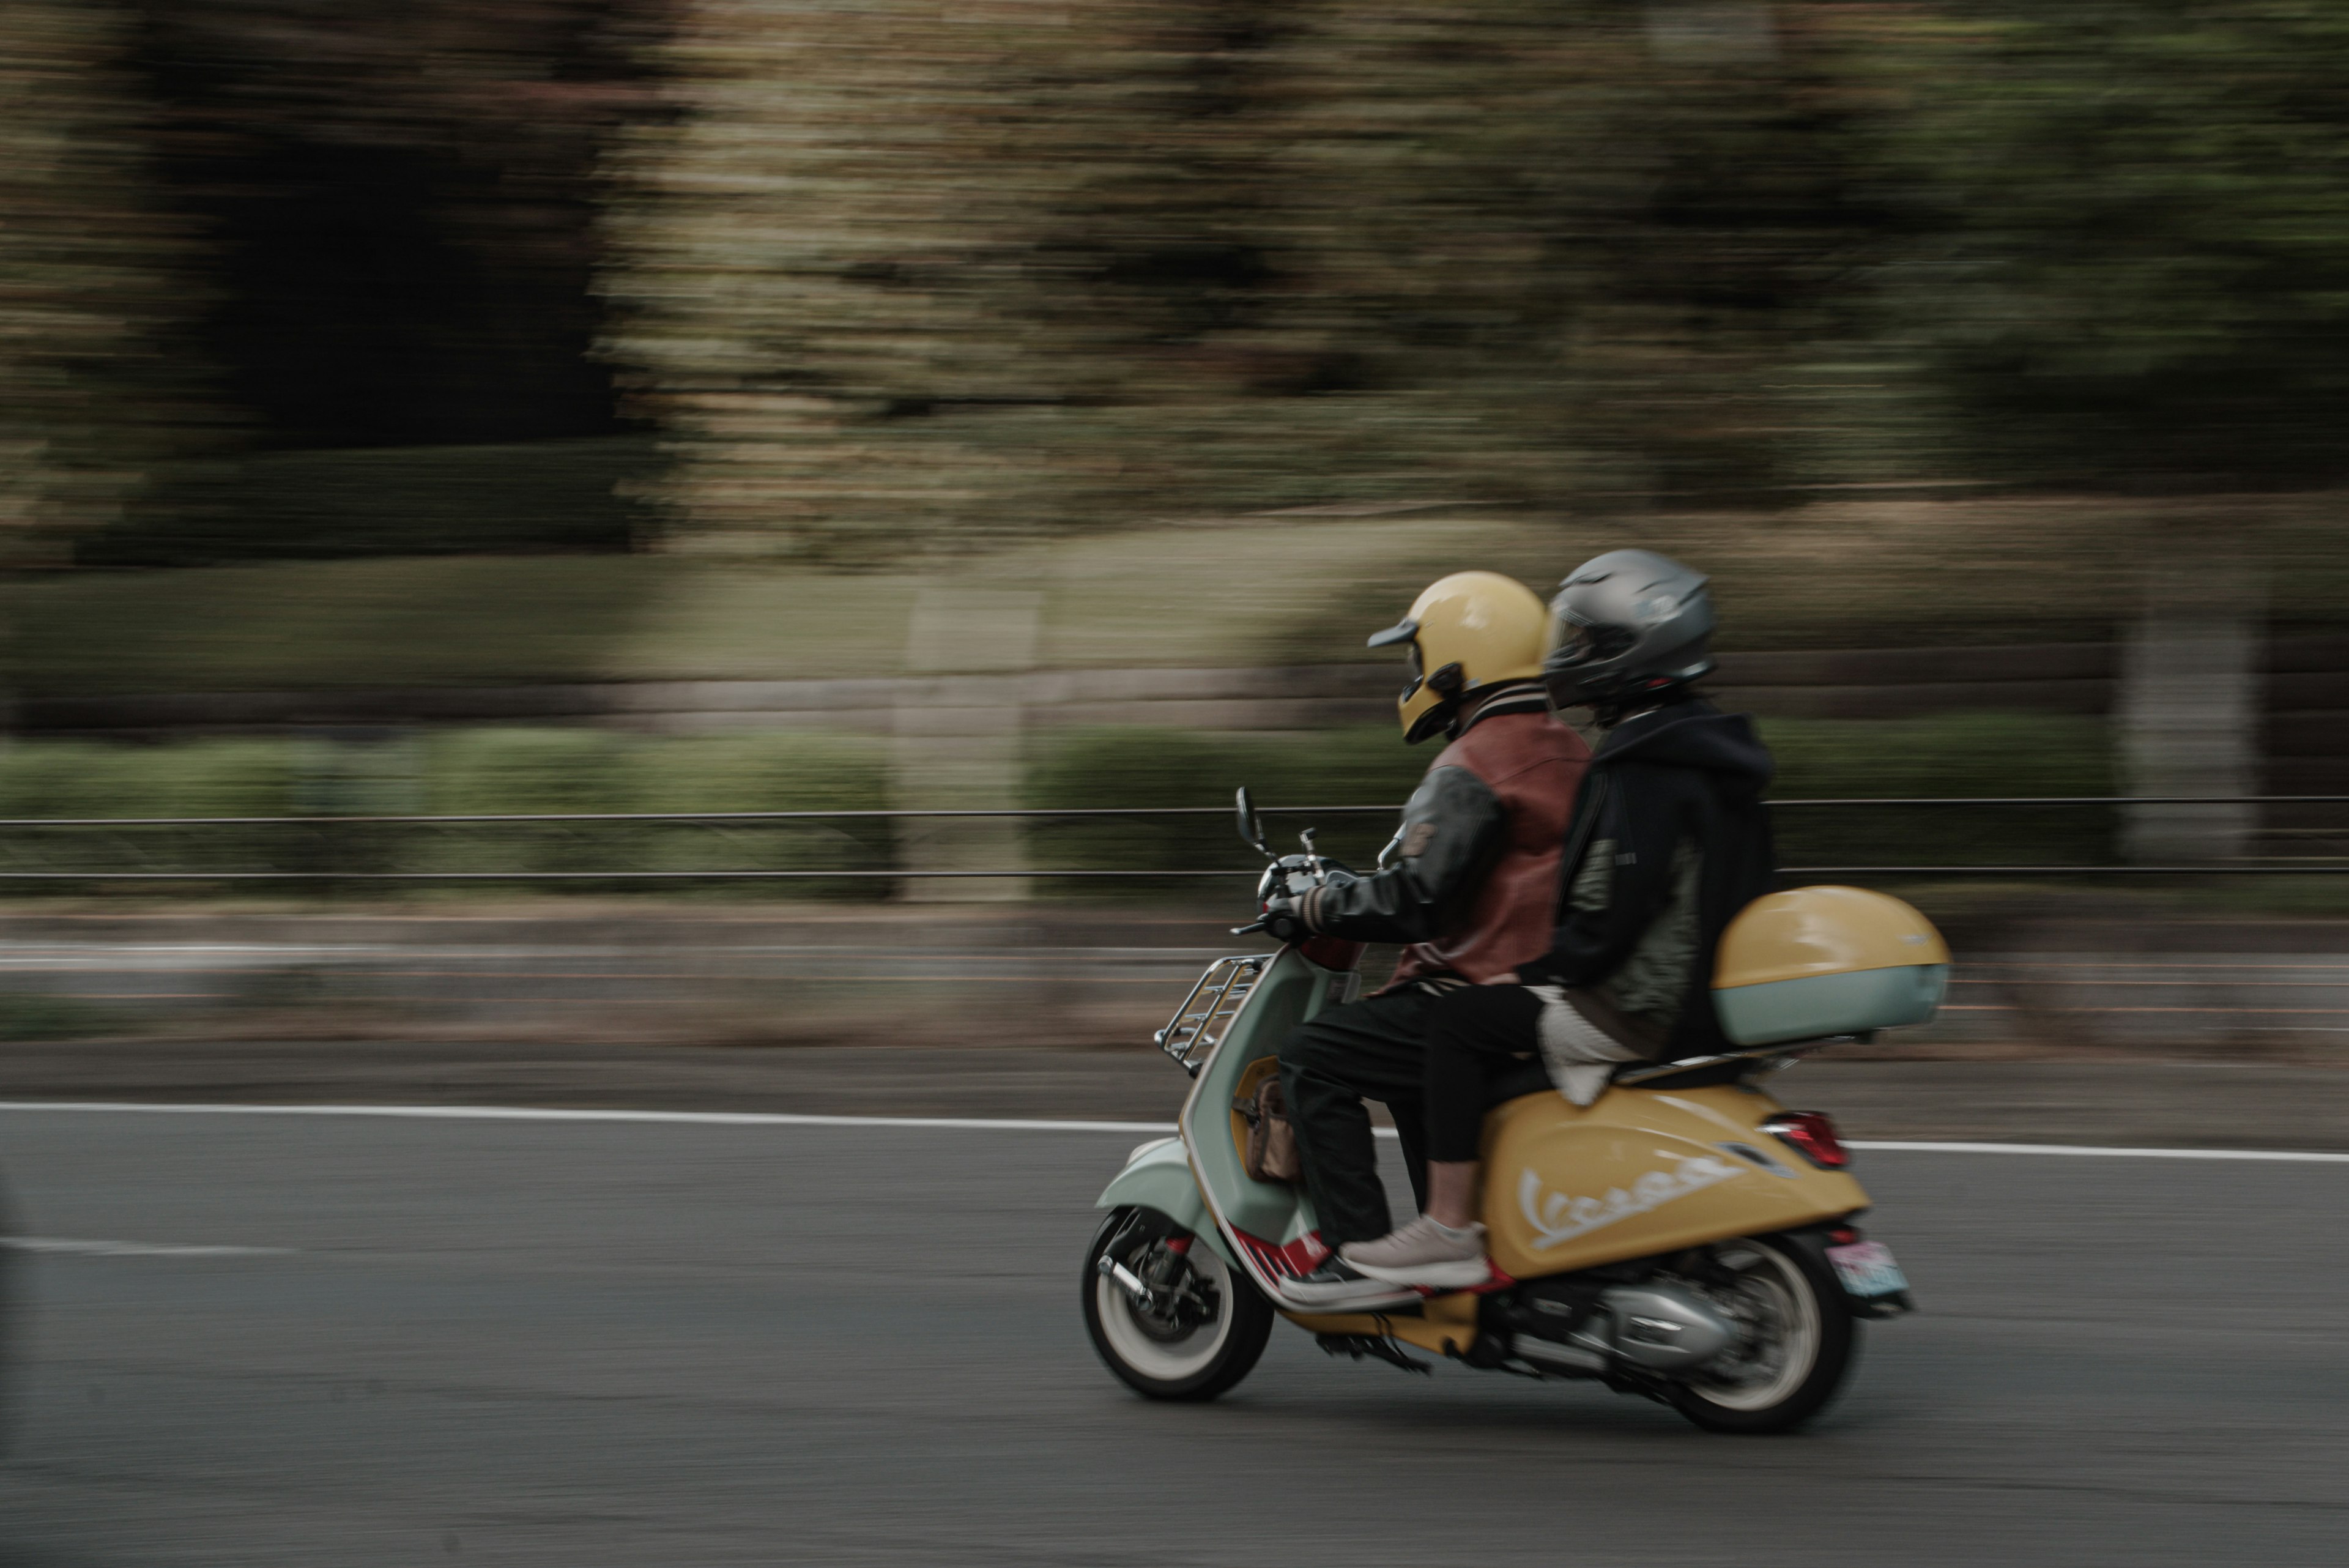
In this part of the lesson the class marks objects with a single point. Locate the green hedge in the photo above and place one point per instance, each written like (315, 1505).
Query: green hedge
(559, 771)
(458, 772)
(1937, 757)
(1361, 766)
(1980, 754)
(90, 779)
(532, 770)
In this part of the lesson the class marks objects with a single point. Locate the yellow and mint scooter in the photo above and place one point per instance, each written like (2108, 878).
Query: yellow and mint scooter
(1686, 1238)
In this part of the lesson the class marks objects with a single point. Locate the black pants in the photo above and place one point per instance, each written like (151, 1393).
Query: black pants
(1374, 1049)
(1475, 1036)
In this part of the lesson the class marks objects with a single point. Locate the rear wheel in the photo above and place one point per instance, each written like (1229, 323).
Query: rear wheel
(1202, 1325)
(1797, 1341)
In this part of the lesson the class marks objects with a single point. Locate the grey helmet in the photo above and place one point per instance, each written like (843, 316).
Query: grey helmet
(1631, 624)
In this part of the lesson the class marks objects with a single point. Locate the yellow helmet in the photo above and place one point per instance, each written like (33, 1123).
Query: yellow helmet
(1468, 631)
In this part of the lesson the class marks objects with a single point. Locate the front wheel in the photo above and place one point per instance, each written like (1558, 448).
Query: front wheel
(1797, 1341)
(1202, 1326)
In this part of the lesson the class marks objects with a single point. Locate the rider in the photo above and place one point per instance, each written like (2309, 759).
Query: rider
(1472, 891)
(1670, 840)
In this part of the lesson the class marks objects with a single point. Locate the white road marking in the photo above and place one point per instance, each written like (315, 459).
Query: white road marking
(541, 1114)
(134, 1248)
(2095, 1151)
(991, 1124)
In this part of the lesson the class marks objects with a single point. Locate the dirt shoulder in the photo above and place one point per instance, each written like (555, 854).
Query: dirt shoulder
(2141, 1103)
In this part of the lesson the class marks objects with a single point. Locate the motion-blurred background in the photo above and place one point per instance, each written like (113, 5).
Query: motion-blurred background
(591, 408)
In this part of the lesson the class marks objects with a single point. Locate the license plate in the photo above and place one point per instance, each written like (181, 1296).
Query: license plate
(1866, 1269)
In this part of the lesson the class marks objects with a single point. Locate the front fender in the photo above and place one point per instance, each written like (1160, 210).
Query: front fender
(1158, 1176)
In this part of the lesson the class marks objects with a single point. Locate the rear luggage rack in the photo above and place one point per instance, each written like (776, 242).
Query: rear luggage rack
(1207, 1012)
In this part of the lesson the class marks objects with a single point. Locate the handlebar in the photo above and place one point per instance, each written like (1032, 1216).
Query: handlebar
(1286, 872)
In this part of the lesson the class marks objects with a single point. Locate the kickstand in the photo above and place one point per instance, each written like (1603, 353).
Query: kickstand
(1358, 1346)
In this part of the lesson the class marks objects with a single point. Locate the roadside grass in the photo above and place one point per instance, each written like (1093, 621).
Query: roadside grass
(1851, 572)
(26, 1016)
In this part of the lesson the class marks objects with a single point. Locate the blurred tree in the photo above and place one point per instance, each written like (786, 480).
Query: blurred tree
(2124, 227)
(902, 274)
(97, 283)
(898, 271)
(1573, 248)
(813, 259)
(402, 198)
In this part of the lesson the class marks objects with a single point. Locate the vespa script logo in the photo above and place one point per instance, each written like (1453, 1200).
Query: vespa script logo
(1559, 1218)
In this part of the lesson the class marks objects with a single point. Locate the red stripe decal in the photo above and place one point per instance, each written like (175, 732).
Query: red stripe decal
(1294, 1262)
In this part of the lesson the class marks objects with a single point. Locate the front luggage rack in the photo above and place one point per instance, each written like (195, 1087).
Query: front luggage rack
(1208, 1010)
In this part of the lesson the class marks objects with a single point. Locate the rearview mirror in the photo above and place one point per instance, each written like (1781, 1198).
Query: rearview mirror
(1251, 830)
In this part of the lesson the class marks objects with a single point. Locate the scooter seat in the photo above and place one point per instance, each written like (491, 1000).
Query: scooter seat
(1527, 1076)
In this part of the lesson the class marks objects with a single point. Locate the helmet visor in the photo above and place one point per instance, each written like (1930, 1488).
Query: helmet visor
(1579, 644)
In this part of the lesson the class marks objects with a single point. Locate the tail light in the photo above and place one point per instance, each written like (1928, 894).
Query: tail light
(1812, 1135)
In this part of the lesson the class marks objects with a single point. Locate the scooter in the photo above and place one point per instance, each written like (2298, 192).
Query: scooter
(1685, 1237)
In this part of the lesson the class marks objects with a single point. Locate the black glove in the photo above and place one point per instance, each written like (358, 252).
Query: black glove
(1280, 919)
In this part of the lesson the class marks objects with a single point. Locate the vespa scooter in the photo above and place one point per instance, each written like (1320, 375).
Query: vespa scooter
(1686, 1238)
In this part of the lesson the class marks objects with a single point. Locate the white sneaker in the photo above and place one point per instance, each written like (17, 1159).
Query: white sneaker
(1423, 1253)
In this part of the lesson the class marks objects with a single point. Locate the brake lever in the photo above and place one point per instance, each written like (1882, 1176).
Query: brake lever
(1249, 929)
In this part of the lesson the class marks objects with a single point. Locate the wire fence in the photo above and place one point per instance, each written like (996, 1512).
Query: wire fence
(869, 846)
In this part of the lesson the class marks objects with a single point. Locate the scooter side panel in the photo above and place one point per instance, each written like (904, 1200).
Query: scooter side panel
(1160, 1178)
(1642, 1172)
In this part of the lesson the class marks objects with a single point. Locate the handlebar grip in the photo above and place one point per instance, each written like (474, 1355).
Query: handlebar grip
(1249, 929)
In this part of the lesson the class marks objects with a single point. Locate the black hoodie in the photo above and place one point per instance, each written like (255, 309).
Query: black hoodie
(1670, 840)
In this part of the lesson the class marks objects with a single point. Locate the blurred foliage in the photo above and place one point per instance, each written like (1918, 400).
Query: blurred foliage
(455, 772)
(1190, 256)
(98, 284)
(555, 494)
(236, 223)
(561, 771)
(400, 199)
(297, 626)
(892, 276)
(203, 778)
(2117, 231)
(1943, 756)
(1984, 754)
(27, 1015)
(1134, 766)
(1196, 256)
(81, 779)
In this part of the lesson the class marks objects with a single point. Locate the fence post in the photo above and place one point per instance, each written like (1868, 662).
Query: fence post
(957, 740)
(2188, 711)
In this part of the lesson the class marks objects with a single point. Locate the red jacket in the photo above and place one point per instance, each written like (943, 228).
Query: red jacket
(1474, 891)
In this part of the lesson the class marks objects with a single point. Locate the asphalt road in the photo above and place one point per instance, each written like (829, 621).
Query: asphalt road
(586, 1344)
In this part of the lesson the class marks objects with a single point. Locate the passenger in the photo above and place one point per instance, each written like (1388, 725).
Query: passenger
(1670, 840)
(1471, 890)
